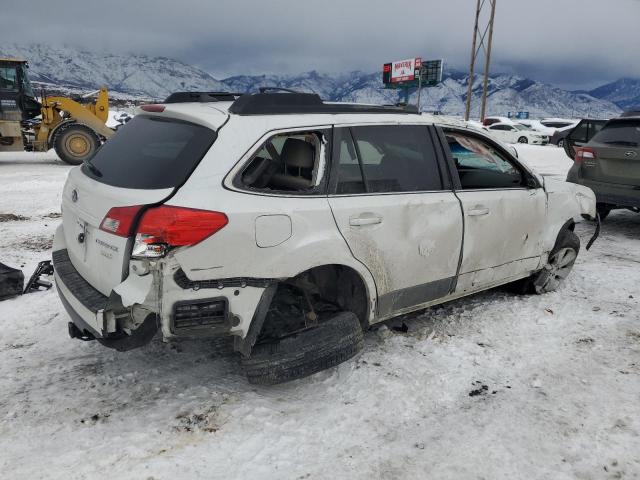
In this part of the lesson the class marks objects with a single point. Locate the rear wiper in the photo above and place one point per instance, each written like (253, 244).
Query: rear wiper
(95, 170)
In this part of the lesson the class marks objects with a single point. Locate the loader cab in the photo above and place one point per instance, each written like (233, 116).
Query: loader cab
(17, 98)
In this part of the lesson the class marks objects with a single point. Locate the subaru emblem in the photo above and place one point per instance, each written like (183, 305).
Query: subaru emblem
(74, 196)
(630, 154)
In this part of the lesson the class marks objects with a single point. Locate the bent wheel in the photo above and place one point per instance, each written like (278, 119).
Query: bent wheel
(75, 143)
(332, 342)
(560, 263)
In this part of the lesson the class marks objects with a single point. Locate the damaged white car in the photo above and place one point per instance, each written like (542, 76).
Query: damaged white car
(292, 225)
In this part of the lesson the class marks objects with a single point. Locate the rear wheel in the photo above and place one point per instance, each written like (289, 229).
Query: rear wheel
(523, 140)
(301, 354)
(75, 143)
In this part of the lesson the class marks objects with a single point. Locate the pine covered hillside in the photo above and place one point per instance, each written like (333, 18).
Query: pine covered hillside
(153, 78)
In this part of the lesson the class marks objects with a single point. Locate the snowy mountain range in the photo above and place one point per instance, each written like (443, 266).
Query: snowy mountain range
(153, 78)
(625, 93)
(136, 76)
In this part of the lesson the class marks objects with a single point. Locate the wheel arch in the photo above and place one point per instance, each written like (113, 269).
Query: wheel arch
(333, 280)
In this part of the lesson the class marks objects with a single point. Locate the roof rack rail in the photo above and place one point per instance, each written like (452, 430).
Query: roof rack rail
(293, 102)
(276, 89)
(201, 97)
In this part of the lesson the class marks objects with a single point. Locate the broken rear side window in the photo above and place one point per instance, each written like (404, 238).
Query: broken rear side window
(287, 162)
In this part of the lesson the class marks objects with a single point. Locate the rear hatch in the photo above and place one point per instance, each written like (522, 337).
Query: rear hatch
(617, 154)
(143, 164)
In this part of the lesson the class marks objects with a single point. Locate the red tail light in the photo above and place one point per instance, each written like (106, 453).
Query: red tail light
(585, 153)
(119, 220)
(178, 226)
(162, 227)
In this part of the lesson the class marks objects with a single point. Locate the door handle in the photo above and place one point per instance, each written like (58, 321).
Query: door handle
(365, 219)
(478, 211)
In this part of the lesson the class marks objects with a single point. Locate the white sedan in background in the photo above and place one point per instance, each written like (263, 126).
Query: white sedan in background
(514, 133)
(548, 126)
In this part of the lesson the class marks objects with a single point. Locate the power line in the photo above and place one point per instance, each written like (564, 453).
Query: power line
(482, 42)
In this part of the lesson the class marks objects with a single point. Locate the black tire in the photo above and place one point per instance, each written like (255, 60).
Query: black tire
(560, 263)
(332, 342)
(523, 140)
(604, 210)
(74, 143)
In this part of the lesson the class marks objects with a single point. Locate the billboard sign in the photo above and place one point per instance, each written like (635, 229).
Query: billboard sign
(401, 73)
(407, 73)
(519, 115)
(405, 70)
(431, 72)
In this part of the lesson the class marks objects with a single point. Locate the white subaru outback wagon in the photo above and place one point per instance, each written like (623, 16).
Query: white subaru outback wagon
(293, 224)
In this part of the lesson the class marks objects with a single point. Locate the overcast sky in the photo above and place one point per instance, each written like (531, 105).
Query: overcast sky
(571, 43)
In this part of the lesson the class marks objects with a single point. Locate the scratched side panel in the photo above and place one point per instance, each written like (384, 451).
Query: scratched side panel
(417, 241)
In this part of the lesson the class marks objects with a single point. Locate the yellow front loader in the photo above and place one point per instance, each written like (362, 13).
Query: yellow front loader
(75, 130)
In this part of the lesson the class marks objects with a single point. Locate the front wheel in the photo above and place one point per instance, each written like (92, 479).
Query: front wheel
(560, 263)
(74, 143)
(523, 140)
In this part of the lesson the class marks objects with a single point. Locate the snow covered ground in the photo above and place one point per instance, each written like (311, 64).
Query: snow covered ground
(496, 386)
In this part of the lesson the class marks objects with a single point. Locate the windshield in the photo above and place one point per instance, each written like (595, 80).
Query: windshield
(9, 78)
(624, 133)
(150, 153)
(522, 127)
(26, 85)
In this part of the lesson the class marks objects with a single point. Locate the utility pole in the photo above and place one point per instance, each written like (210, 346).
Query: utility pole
(478, 44)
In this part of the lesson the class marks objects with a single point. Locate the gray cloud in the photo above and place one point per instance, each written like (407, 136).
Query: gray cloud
(573, 43)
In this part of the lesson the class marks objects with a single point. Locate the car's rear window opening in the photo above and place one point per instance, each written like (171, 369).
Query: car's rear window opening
(624, 133)
(150, 153)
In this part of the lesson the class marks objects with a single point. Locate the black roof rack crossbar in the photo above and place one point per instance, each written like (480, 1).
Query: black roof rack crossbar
(276, 89)
(202, 97)
(289, 103)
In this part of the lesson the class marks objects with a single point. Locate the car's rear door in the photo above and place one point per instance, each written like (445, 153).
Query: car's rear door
(504, 212)
(617, 154)
(396, 212)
